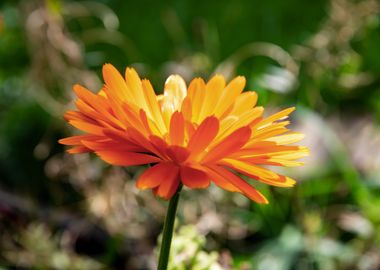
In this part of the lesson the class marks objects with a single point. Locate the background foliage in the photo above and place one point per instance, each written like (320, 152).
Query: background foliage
(59, 211)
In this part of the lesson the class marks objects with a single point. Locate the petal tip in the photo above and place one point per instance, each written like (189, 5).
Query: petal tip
(108, 68)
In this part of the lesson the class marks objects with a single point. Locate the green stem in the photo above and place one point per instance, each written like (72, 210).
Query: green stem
(168, 231)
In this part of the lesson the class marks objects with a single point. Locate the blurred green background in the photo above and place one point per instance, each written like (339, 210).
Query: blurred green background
(59, 211)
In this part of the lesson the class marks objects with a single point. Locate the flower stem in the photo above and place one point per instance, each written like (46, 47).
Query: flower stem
(168, 231)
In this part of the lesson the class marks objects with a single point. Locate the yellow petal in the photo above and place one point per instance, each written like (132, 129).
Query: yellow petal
(244, 102)
(174, 93)
(259, 173)
(213, 92)
(229, 95)
(135, 89)
(289, 138)
(277, 116)
(154, 109)
(244, 120)
(196, 94)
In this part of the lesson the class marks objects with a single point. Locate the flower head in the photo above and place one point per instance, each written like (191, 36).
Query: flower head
(197, 135)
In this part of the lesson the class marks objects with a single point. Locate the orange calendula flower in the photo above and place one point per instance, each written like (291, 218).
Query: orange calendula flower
(197, 135)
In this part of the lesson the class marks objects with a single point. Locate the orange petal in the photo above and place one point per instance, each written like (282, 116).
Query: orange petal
(87, 127)
(123, 158)
(121, 137)
(177, 153)
(169, 183)
(90, 98)
(177, 129)
(139, 139)
(219, 180)
(94, 117)
(186, 109)
(133, 116)
(78, 150)
(98, 103)
(155, 175)
(78, 116)
(160, 146)
(116, 86)
(111, 146)
(116, 105)
(203, 135)
(145, 122)
(245, 167)
(232, 143)
(189, 129)
(242, 185)
(194, 178)
(76, 140)
(259, 173)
